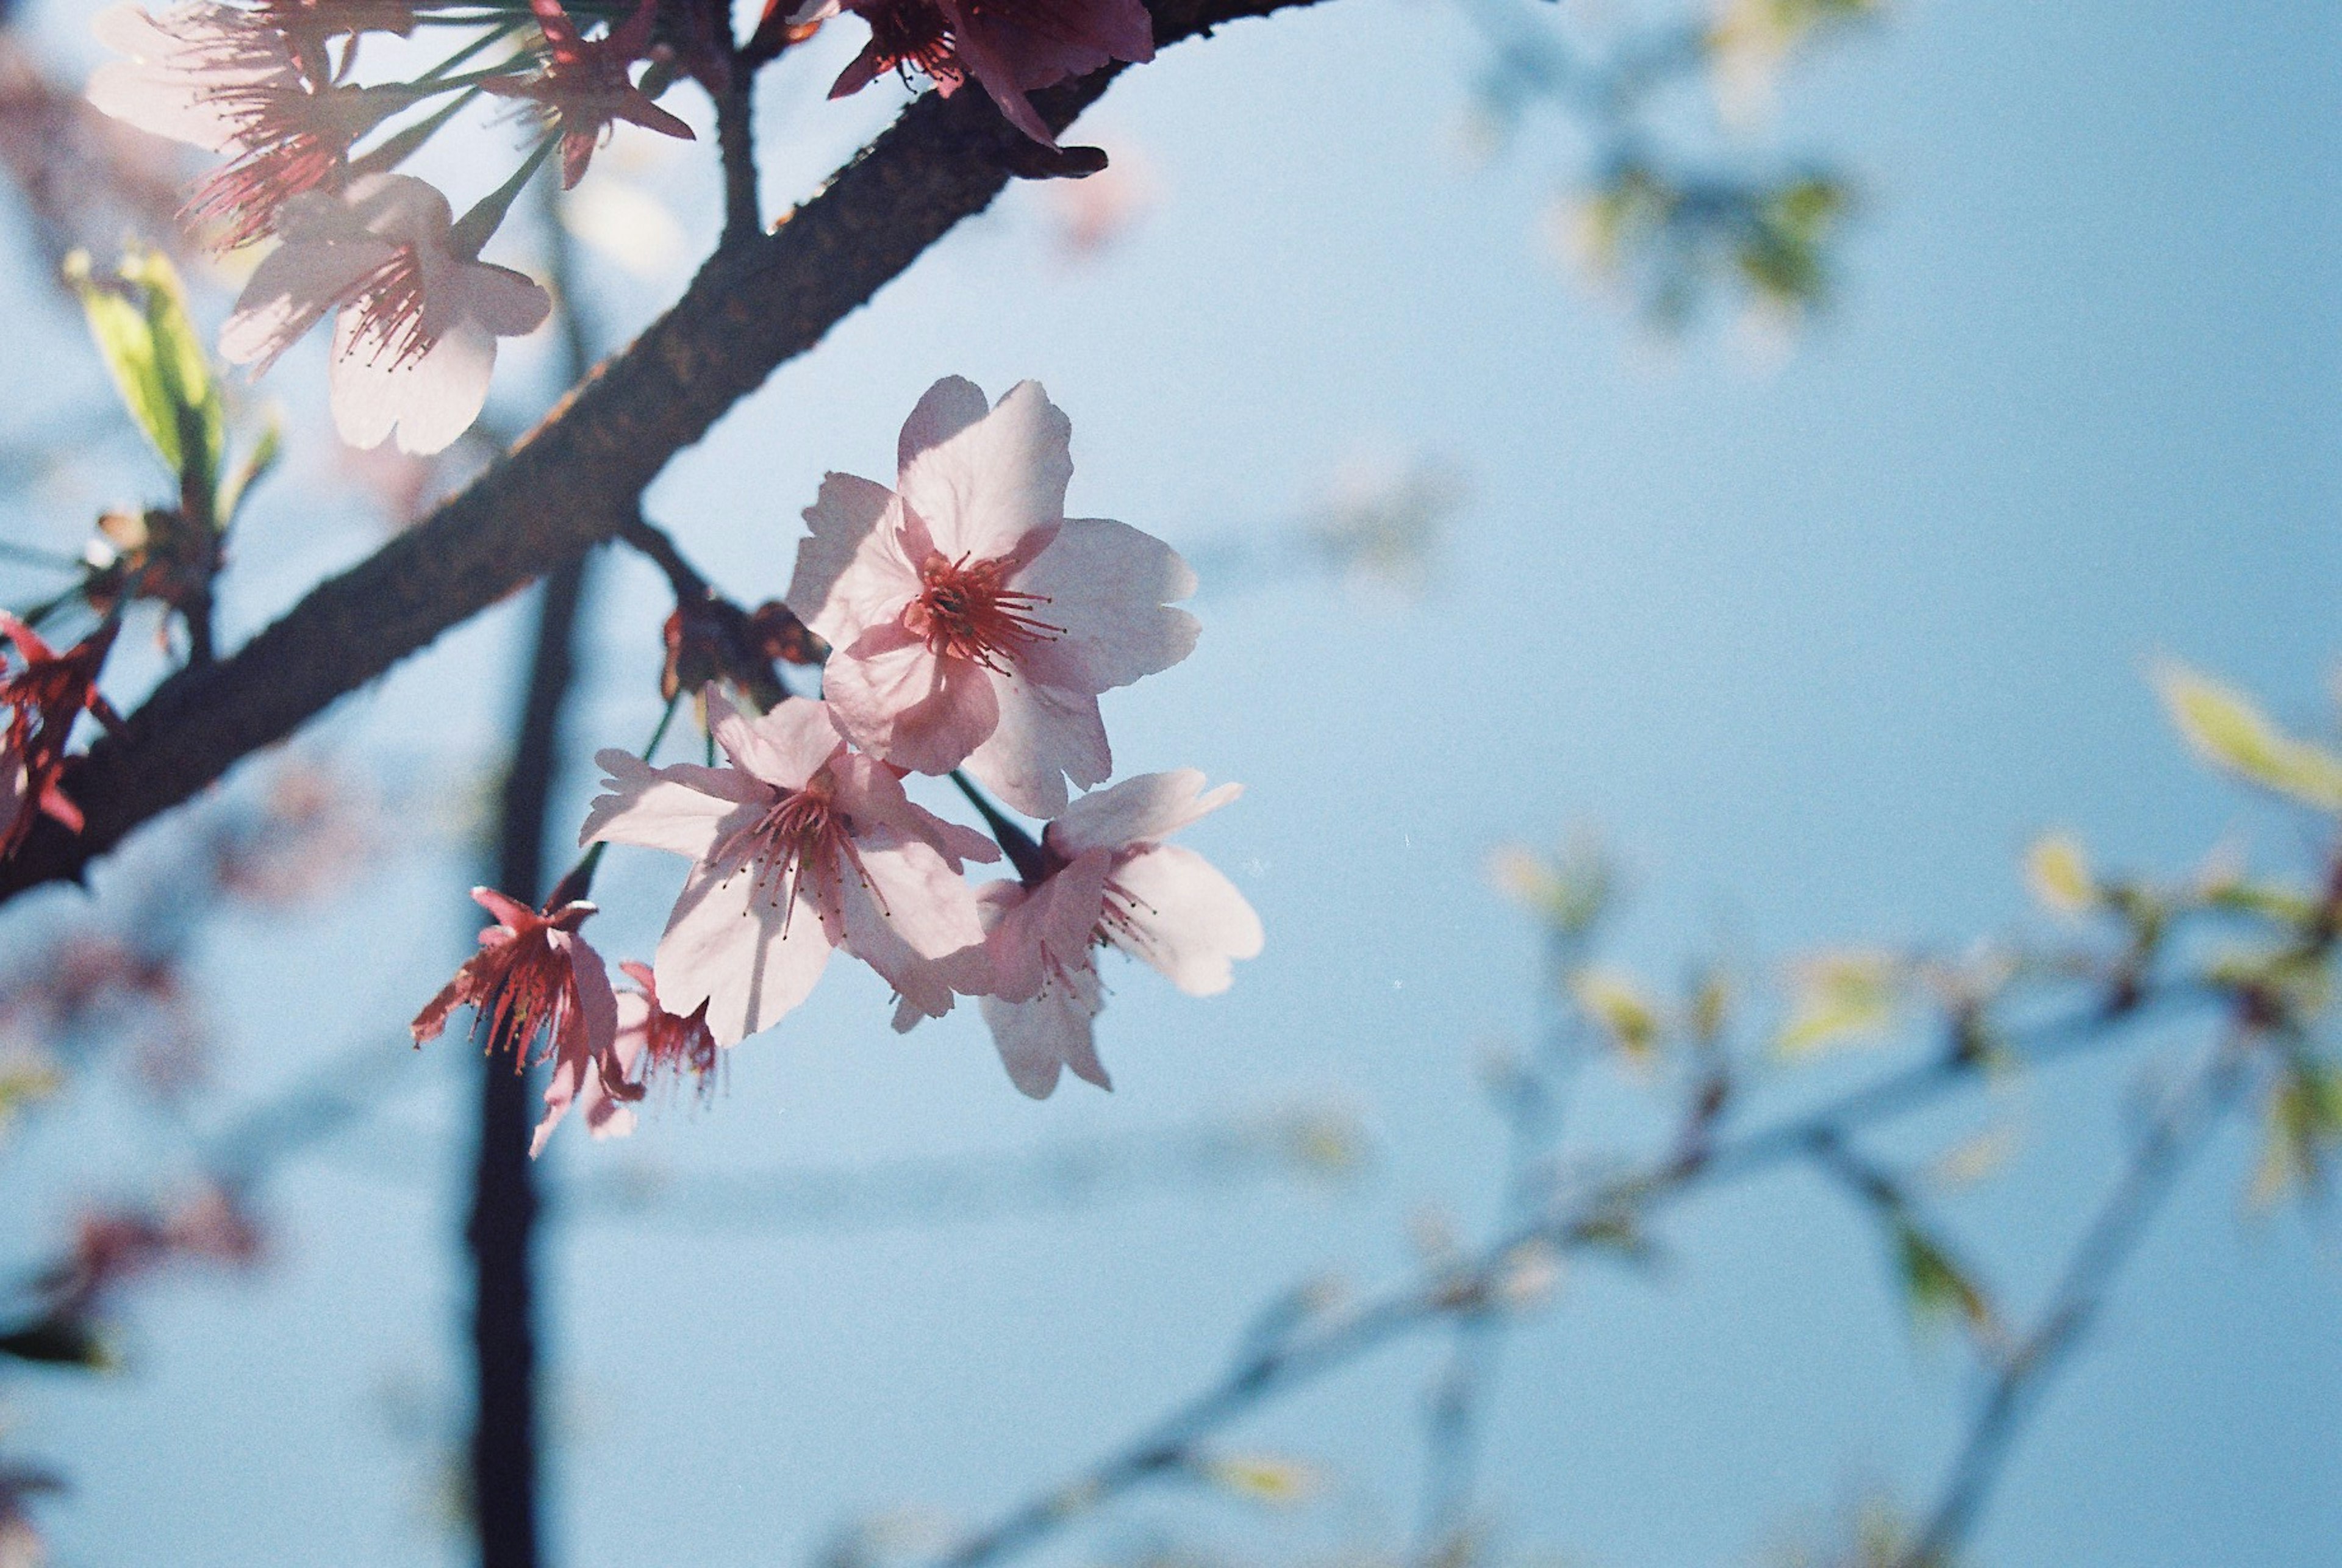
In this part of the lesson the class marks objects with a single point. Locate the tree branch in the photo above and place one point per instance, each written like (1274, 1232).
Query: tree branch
(576, 479)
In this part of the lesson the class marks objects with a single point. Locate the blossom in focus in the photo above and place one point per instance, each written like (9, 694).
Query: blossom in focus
(43, 696)
(535, 979)
(650, 1042)
(1012, 47)
(798, 847)
(253, 83)
(1109, 879)
(586, 87)
(414, 342)
(969, 620)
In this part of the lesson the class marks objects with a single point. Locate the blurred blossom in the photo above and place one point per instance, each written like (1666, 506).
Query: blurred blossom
(1670, 242)
(113, 1247)
(1752, 40)
(1840, 999)
(625, 221)
(1269, 1478)
(1566, 891)
(1385, 517)
(21, 1545)
(85, 179)
(1096, 212)
(311, 833)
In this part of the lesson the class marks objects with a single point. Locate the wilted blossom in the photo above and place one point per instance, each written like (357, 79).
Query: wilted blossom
(534, 978)
(415, 344)
(586, 87)
(250, 81)
(1109, 879)
(651, 1042)
(43, 696)
(970, 621)
(1012, 47)
(798, 847)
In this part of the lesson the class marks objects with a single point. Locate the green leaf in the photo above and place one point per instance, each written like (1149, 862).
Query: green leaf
(138, 316)
(1268, 1478)
(250, 472)
(1843, 998)
(2303, 1125)
(1612, 1000)
(2060, 874)
(2227, 730)
(1938, 1289)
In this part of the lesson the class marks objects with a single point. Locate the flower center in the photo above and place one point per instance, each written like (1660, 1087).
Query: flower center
(533, 992)
(912, 36)
(802, 834)
(389, 305)
(963, 612)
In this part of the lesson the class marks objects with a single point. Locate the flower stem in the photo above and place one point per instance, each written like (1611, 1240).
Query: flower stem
(473, 230)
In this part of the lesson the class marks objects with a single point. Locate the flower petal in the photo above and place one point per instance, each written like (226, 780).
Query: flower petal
(850, 572)
(945, 409)
(728, 945)
(986, 485)
(919, 710)
(682, 809)
(1036, 1039)
(1044, 733)
(1146, 809)
(1109, 585)
(1183, 917)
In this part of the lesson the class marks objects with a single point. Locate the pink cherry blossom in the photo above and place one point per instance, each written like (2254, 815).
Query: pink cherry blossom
(798, 847)
(651, 1042)
(970, 621)
(252, 82)
(1011, 46)
(584, 86)
(535, 981)
(415, 344)
(1109, 879)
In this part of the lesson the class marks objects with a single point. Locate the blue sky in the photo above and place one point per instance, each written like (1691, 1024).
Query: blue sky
(1818, 641)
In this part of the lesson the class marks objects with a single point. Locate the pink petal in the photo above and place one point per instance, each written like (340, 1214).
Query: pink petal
(850, 573)
(912, 919)
(946, 409)
(983, 488)
(508, 912)
(292, 289)
(870, 793)
(682, 809)
(428, 398)
(728, 944)
(1037, 932)
(1188, 921)
(784, 747)
(1147, 809)
(1036, 1039)
(1109, 585)
(1044, 733)
(917, 709)
(507, 303)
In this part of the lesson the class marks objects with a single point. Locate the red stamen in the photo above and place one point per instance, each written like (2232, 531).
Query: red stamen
(965, 613)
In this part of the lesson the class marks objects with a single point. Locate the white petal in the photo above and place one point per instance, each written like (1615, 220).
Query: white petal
(1044, 734)
(682, 809)
(1189, 920)
(945, 409)
(1147, 809)
(1109, 585)
(1036, 1039)
(850, 572)
(291, 290)
(727, 943)
(986, 486)
(430, 398)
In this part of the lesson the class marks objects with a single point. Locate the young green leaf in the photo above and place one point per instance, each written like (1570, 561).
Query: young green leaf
(2226, 730)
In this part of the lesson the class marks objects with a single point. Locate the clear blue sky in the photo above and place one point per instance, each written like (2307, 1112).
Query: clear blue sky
(1818, 643)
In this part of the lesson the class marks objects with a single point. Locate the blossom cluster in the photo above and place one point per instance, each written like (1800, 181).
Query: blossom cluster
(972, 627)
(270, 85)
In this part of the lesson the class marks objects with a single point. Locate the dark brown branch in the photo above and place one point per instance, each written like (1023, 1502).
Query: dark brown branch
(574, 481)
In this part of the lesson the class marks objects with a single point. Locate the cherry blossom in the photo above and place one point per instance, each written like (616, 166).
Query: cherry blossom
(1109, 879)
(970, 621)
(253, 83)
(650, 1042)
(1011, 46)
(799, 846)
(43, 697)
(415, 344)
(586, 87)
(536, 980)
